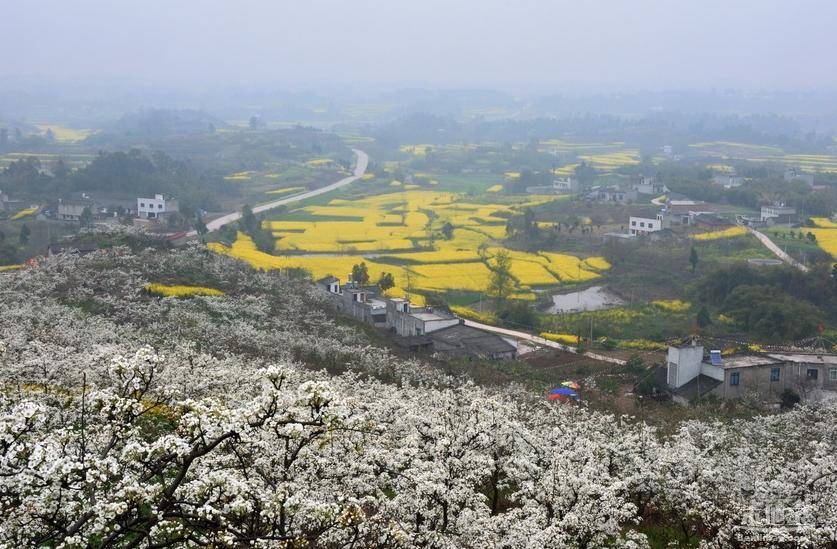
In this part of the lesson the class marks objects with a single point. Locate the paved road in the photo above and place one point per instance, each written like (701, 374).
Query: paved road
(360, 169)
(540, 341)
(777, 251)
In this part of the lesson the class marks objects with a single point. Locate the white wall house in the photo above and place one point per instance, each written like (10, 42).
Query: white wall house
(778, 214)
(151, 208)
(728, 180)
(644, 225)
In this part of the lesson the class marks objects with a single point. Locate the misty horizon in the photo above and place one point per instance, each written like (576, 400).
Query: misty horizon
(539, 47)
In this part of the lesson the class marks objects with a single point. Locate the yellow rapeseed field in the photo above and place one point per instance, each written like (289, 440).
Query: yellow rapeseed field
(10, 267)
(62, 133)
(725, 233)
(181, 291)
(495, 188)
(824, 223)
(673, 305)
(23, 213)
(827, 240)
(286, 190)
(390, 233)
(566, 339)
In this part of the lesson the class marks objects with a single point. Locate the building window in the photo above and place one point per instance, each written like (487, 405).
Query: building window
(142, 204)
(642, 223)
(813, 373)
(734, 378)
(774, 374)
(832, 374)
(633, 223)
(159, 206)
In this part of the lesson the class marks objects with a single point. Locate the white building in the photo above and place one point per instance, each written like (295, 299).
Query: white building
(728, 180)
(778, 215)
(152, 208)
(648, 185)
(644, 225)
(795, 174)
(406, 319)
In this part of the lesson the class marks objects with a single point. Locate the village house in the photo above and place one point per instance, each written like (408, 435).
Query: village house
(647, 185)
(710, 221)
(640, 226)
(157, 207)
(405, 319)
(728, 180)
(559, 186)
(682, 211)
(795, 174)
(417, 328)
(778, 214)
(612, 194)
(72, 210)
(691, 374)
(468, 342)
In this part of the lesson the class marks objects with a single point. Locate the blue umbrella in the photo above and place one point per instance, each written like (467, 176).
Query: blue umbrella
(566, 391)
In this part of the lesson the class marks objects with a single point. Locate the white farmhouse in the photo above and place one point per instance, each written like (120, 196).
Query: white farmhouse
(152, 208)
(643, 225)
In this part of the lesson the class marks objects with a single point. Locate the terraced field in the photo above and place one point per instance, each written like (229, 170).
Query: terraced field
(762, 153)
(400, 233)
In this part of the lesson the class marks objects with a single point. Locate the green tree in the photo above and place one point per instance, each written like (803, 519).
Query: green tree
(635, 364)
(86, 217)
(360, 274)
(200, 226)
(693, 259)
(501, 283)
(25, 232)
(447, 230)
(703, 318)
(386, 282)
(248, 222)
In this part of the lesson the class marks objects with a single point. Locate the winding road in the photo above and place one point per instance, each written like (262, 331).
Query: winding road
(360, 169)
(777, 251)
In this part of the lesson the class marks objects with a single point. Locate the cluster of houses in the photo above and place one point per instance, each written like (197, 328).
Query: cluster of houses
(692, 374)
(145, 211)
(417, 328)
(628, 192)
(682, 211)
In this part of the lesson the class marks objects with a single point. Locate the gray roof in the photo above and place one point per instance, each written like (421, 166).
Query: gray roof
(698, 386)
(468, 341)
(747, 361)
(805, 358)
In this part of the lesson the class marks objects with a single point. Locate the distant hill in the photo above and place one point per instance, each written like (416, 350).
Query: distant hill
(166, 122)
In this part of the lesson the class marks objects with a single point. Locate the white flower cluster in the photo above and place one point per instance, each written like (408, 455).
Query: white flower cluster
(130, 420)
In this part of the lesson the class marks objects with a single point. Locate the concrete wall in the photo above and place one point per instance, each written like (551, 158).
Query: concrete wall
(684, 364)
(793, 376)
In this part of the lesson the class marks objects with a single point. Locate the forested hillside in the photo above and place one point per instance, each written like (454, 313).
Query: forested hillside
(252, 417)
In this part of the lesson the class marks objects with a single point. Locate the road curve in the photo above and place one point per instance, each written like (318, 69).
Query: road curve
(777, 251)
(360, 169)
(539, 341)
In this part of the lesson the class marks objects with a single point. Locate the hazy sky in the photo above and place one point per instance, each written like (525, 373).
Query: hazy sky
(519, 45)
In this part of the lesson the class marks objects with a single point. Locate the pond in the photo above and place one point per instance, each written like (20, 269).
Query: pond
(589, 299)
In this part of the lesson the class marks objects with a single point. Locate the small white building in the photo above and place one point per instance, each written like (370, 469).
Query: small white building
(728, 180)
(644, 184)
(795, 174)
(152, 208)
(643, 225)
